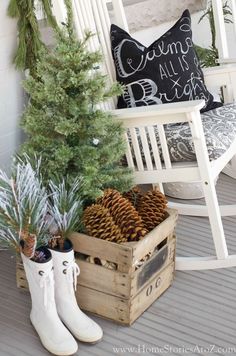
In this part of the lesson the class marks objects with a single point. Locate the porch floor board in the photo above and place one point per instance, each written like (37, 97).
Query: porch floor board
(199, 310)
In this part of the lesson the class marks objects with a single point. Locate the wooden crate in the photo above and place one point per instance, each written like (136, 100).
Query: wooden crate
(21, 280)
(125, 293)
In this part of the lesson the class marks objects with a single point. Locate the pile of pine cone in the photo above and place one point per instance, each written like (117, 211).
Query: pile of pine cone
(128, 217)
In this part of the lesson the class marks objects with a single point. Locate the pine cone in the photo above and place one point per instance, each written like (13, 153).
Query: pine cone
(152, 208)
(124, 214)
(99, 223)
(57, 242)
(28, 244)
(134, 196)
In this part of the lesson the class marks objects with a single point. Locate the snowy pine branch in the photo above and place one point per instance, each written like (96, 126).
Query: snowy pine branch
(23, 205)
(66, 207)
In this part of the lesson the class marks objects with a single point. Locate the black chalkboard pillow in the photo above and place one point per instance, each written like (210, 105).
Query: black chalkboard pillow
(167, 71)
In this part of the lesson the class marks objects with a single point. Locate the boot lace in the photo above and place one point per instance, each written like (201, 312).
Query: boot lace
(46, 281)
(72, 273)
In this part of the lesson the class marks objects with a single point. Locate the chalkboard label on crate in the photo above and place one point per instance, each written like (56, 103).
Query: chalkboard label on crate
(152, 266)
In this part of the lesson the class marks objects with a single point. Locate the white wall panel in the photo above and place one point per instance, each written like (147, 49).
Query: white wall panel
(11, 92)
(149, 13)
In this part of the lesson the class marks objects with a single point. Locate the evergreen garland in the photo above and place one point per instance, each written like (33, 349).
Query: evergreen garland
(70, 18)
(29, 39)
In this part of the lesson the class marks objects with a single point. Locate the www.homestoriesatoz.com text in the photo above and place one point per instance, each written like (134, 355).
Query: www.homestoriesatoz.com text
(169, 349)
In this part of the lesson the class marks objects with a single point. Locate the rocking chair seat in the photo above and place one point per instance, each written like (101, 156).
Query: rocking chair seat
(219, 127)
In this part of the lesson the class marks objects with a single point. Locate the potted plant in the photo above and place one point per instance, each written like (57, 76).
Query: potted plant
(65, 210)
(28, 213)
(64, 121)
(23, 210)
(208, 56)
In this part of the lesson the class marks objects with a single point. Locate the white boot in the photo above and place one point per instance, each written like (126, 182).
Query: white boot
(65, 274)
(53, 334)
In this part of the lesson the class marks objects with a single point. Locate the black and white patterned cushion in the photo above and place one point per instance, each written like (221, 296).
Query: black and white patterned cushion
(167, 71)
(219, 127)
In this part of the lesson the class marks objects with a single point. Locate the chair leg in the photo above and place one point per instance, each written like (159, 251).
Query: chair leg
(212, 209)
(221, 259)
(158, 186)
(215, 219)
(208, 185)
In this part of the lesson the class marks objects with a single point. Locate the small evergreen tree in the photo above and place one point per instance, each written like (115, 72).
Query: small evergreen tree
(64, 124)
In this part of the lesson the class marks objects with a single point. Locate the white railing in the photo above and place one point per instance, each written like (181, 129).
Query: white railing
(233, 7)
(222, 40)
(222, 44)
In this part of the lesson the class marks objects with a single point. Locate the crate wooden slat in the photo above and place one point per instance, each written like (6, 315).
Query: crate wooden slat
(142, 247)
(122, 284)
(121, 310)
(21, 280)
(125, 255)
(142, 276)
(112, 282)
(92, 246)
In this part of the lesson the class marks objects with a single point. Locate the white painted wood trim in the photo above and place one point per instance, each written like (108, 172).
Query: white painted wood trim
(233, 8)
(59, 11)
(203, 263)
(201, 210)
(222, 76)
(167, 175)
(208, 185)
(230, 168)
(78, 25)
(155, 149)
(106, 53)
(136, 147)
(164, 146)
(146, 150)
(226, 60)
(219, 164)
(120, 18)
(219, 70)
(159, 110)
(129, 155)
(220, 29)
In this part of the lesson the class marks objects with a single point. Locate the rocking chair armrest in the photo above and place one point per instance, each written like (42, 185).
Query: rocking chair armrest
(222, 69)
(158, 114)
(226, 60)
(223, 76)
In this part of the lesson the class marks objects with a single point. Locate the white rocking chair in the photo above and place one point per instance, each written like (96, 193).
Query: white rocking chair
(93, 15)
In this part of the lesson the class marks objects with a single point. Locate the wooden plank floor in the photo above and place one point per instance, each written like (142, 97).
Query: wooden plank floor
(198, 311)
